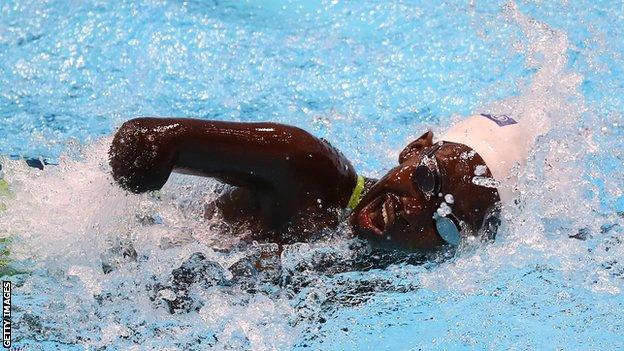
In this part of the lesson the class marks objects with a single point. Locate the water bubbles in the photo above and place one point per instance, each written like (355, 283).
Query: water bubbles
(480, 170)
(449, 198)
(487, 182)
(444, 210)
(467, 155)
(171, 277)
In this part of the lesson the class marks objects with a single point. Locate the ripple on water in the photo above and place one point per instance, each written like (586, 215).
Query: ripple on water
(112, 270)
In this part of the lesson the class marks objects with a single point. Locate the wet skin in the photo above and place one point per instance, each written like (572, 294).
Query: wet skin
(396, 214)
(288, 184)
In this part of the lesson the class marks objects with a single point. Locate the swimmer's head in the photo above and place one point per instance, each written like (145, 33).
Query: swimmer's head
(397, 213)
(138, 157)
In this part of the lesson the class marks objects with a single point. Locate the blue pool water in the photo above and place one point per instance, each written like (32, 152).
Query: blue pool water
(369, 77)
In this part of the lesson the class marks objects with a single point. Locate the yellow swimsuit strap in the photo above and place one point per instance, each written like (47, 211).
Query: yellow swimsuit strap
(356, 195)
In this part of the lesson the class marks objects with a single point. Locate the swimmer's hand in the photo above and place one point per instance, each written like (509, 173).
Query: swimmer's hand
(142, 155)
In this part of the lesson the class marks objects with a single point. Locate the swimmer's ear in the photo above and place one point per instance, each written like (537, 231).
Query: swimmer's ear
(412, 148)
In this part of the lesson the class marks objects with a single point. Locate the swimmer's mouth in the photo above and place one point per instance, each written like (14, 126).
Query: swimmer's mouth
(379, 215)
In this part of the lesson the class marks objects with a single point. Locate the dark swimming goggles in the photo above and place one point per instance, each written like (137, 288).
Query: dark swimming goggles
(427, 175)
(449, 228)
(428, 179)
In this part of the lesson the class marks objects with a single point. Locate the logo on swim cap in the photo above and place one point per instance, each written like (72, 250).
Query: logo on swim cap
(501, 120)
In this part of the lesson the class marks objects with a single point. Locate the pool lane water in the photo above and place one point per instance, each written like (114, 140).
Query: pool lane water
(367, 76)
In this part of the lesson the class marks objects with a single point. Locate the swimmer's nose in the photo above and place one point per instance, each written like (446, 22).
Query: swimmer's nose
(397, 182)
(400, 181)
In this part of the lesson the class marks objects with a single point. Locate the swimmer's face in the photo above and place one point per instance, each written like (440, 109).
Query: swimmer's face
(395, 213)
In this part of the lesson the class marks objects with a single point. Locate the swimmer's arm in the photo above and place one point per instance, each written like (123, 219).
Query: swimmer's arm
(269, 157)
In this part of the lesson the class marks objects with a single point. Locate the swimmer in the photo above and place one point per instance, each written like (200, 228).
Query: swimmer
(287, 184)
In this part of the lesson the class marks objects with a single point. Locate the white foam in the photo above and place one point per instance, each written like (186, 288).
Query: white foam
(68, 220)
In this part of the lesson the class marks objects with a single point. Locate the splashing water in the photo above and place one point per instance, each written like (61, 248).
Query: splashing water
(106, 269)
